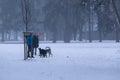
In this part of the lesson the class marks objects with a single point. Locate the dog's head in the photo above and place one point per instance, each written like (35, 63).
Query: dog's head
(39, 48)
(42, 50)
(47, 48)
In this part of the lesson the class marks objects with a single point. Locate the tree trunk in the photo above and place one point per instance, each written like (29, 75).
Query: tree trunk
(117, 36)
(100, 35)
(54, 36)
(89, 22)
(116, 12)
(74, 34)
(3, 36)
(67, 35)
(117, 33)
(80, 34)
(117, 19)
(26, 12)
(16, 36)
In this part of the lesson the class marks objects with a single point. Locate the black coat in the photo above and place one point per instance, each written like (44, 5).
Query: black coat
(35, 42)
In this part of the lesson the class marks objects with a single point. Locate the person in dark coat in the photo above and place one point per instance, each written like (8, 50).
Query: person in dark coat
(35, 43)
(29, 39)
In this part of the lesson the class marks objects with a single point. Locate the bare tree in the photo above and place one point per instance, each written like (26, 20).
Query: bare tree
(26, 12)
(116, 12)
(117, 19)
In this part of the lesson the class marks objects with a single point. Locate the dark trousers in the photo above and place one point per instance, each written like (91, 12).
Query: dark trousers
(30, 50)
(35, 51)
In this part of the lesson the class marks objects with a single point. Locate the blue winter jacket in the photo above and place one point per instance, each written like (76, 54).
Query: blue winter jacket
(29, 39)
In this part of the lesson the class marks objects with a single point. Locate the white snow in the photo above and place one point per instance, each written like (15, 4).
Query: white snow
(70, 61)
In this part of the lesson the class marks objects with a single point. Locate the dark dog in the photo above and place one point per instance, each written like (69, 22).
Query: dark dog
(43, 52)
(48, 51)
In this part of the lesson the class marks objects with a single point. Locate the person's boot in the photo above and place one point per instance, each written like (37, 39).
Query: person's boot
(28, 55)
(35, 52)
(32, 55)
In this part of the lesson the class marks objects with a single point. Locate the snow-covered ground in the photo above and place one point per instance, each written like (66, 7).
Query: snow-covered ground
(73, 61)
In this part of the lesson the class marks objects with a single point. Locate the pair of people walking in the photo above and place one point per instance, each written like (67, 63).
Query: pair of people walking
(32, 43)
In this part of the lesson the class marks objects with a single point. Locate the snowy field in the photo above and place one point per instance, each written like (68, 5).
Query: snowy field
(73, 61)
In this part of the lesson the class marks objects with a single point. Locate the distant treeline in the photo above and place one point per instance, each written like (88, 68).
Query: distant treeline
(60, 20)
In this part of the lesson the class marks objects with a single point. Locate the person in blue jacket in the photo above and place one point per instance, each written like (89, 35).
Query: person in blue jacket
(29, 39)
